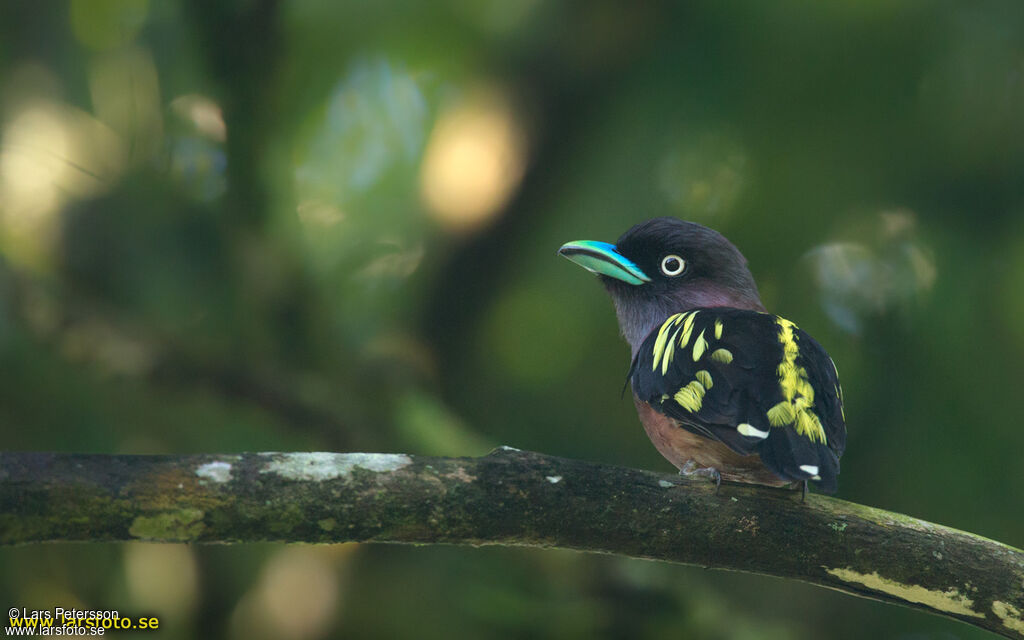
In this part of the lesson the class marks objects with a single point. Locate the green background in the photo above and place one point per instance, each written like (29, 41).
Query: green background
(245, 226)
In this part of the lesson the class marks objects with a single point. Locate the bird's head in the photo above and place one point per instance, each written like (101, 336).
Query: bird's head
(664, 266)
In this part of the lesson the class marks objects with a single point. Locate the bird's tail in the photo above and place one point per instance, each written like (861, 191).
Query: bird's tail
(797, 458)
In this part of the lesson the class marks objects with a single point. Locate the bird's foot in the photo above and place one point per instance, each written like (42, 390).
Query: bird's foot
(804, 497)
(690, 469)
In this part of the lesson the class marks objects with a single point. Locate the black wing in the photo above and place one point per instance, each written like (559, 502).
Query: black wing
(751, 380)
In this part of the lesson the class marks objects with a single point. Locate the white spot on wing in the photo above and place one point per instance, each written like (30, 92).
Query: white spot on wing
(553, 479)
(751, 431)
(809, 469)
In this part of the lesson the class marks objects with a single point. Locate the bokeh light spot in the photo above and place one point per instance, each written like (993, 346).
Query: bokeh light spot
(319, 214)
(398, 259)
(296, 597)
(204, 114)
(49, 153)
(162, 578)
(375, 120)
(888, 268)
(474, 160)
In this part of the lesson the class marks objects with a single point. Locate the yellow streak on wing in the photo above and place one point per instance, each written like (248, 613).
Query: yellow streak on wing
(808, 425)
(718, 329)
(803, 386)
(688, 319)
(797, 392)
(659, 343)
(699, 345)
(786, 338)
(787, 368)
(685, 338)
(722, 355)
(687, 329)
(787, 379)
(670, 351)
(781, 414)
(704, 378)
(691, 397)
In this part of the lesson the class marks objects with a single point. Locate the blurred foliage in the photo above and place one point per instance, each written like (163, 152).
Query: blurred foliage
(252, 225)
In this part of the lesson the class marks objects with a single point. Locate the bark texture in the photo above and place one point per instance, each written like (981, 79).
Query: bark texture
(513, 497)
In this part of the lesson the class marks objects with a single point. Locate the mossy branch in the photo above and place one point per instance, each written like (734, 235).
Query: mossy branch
(513, 497)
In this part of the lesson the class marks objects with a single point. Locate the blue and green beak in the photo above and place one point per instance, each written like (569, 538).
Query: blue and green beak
(603, 259)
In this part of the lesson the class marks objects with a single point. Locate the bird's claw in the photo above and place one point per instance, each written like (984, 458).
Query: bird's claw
(690, 469)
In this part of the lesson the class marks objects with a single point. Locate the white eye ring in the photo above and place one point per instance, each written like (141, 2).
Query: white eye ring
(672, 265)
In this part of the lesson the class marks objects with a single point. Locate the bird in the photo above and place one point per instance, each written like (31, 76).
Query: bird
(723, 389)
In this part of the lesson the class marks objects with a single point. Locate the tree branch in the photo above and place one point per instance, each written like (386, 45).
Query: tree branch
(513, 498)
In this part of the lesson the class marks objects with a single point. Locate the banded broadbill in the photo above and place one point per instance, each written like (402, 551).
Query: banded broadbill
(722, 388)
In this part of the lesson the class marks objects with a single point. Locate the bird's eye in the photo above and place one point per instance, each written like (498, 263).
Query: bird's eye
(672, 265)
